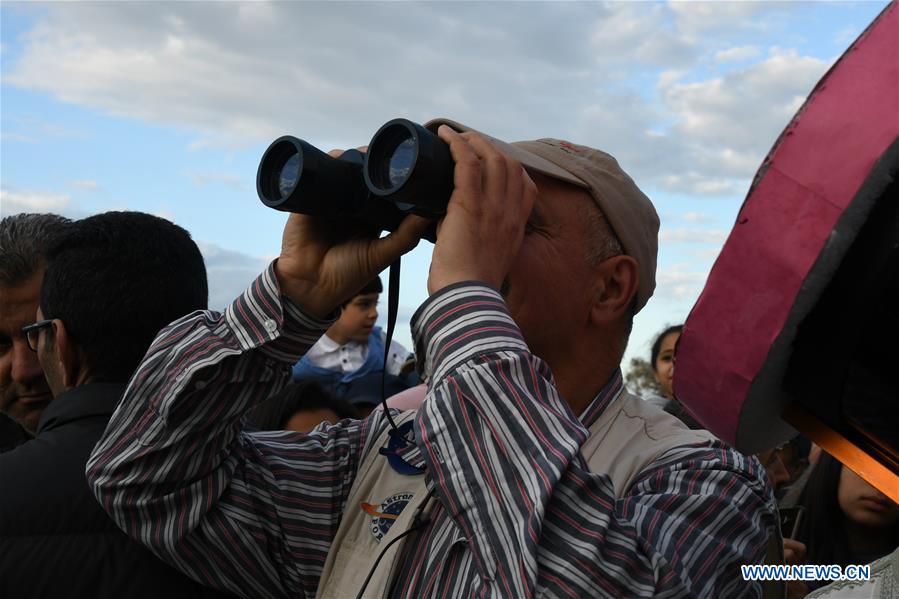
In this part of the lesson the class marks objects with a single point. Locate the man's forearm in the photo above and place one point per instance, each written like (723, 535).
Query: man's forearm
(174, 470)
(490, 432)
(199, 377)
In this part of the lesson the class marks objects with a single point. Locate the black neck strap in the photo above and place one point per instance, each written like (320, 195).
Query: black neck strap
(393, 297)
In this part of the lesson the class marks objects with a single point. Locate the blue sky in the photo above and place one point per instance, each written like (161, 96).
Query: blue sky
(167, 107)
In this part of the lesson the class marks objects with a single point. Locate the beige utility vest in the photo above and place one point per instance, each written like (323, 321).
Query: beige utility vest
(627, 436)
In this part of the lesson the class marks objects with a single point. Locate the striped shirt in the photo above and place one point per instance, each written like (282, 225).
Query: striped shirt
(518, 513)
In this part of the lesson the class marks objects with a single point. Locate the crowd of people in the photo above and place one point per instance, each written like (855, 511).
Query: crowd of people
(152, 447)
(834, 516)
(77, 319)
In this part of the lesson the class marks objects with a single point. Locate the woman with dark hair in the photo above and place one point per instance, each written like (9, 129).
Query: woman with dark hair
(661, 359)
(300, 407)
(846, 520)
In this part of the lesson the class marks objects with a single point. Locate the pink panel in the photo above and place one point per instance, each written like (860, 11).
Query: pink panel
(813, 173)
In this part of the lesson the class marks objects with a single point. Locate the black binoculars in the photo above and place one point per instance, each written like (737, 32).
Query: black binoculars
(407, 169)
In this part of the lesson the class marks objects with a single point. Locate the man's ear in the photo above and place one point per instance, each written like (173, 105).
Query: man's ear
(66, 354)
(615, 285)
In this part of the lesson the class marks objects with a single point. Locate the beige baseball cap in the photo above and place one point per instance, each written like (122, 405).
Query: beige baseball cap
(627, 209)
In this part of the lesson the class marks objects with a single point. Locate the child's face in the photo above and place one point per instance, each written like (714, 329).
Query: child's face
(664, 366)
(357, 320)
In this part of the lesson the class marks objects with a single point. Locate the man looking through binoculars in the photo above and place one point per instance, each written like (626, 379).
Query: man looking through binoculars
(532, 470)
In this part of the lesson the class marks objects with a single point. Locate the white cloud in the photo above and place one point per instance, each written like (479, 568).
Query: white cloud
(847, 35)
(670, 77)
(722, 127)
(17, 137)
(85, 184)
(642, 29)
(680, 281)
(696, 217)
(12, 202)
(229, 273)
(227, 179)
(30, 129)
(695, 182)
(704, 137)
(701, 18)
(692, 235)
(737, 53)
(705, 254)
(238, 74)
(201, 144)
(745, 109)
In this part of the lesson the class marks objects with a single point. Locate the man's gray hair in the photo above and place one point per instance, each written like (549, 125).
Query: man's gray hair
(602, 242)
(24, 238)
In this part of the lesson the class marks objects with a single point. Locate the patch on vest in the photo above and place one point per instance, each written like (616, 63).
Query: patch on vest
(383, 516)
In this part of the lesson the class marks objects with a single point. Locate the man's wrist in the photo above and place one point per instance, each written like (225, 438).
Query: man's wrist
(466, 313)
(301, 293)
(263, 316)
(438, 283)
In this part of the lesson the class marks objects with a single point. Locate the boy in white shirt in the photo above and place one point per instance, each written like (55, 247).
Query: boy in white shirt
(349, 358)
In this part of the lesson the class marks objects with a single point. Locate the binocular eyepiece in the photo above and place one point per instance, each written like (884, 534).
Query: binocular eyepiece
(407, 169)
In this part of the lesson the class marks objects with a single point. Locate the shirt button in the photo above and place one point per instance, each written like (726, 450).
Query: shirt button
(200, 385)
(270, 325)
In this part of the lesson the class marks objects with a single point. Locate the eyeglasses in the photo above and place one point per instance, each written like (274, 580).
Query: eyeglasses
(32, 332)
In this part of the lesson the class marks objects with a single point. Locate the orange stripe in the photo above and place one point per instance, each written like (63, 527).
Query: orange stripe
(372, 510)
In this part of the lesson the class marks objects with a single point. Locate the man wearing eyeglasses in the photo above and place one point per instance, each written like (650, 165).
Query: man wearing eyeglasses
(111, 282)
(23, 389)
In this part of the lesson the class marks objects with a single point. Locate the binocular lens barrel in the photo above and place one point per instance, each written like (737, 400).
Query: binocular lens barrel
(407, 169)
(411, 167)
(391, 157)
(280, 171)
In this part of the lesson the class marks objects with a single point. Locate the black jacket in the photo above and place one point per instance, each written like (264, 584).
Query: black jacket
(11, 434)
(55, 539)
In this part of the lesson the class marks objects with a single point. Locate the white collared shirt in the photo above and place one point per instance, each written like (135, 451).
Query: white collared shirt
(349, 357)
